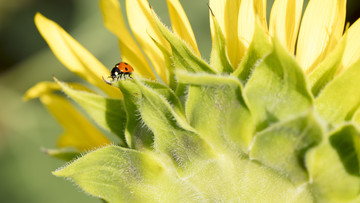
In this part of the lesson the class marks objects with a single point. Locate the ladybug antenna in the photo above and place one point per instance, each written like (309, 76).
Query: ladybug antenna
(107, 82)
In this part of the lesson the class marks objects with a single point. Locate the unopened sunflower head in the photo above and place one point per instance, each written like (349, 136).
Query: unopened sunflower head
(272, 118)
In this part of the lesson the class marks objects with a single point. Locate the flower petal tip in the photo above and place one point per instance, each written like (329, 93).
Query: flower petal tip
(39, 18)
(57, 173)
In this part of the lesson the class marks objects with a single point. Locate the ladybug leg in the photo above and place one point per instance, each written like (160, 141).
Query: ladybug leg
(127, 74)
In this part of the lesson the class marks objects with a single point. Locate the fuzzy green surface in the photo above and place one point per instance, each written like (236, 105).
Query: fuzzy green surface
(264, 133)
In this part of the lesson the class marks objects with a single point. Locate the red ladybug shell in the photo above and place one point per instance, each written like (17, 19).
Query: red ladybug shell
(124, 67)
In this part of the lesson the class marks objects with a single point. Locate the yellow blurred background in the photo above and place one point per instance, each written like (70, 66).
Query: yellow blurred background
(25, 59)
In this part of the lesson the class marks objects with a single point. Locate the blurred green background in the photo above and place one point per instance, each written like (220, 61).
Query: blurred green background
(25, 59)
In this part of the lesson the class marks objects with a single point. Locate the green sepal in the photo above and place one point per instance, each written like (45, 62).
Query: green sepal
(109, 113)
(283, 146)
(333, 167)
(168, 94)
(217, 110)
(215, 174)
(326, 70)
(277, 88)
(183, 56)
(258, 49)
(340, 99)
(117, 174)
(172, 134)
(66, 154)
(218, 57)
(346, 142)
(169, 64)
(137, 135)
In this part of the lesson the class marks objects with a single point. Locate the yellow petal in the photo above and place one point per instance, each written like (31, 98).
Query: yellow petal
(39, 89)
(46, 87)
(260, 12)
(246, 23)
(352, 49)
(142, 25)
(130, 51)
(226, 13)
(74, 56)
(285, 20)
(321, 28)
(249, 10)
(181, 25)
(79, 131)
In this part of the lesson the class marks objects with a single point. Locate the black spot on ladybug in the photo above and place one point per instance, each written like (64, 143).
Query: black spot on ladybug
(126, 64)
(126, 68)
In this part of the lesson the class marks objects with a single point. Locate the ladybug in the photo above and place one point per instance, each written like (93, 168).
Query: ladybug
(121, 69)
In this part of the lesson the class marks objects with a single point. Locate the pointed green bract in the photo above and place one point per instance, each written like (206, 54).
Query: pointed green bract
(184, 57)
(340, 99)
(336, 158)
(168, 94)
(137, 135)
(258, 49)
(109, 113)
(169, 64)
(346, 142)
(66, 154)
(219, 59)
(277, 88)
(117, 174)
(172, 134)
(283, 146)
(217, 110)
(326, 70)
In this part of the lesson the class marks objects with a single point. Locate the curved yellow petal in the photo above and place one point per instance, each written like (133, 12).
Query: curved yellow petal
(41, 88)
(79, 131)
(285, 20)
(142, 25)
(181, 25)
(74, 56)
(352, 49)
(46, 87)
(130, 51)
(321, 28)
(249, 11)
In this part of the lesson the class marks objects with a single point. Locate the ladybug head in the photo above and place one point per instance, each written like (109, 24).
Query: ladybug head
(115, 72)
